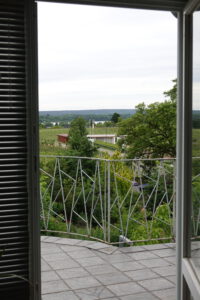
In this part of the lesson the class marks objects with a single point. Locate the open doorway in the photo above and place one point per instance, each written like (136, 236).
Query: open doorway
(96, 67)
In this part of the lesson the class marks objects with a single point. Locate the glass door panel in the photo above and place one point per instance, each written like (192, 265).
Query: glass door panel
(195, 222)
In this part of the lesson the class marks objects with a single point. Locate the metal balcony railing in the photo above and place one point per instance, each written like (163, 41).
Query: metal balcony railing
(114, 201)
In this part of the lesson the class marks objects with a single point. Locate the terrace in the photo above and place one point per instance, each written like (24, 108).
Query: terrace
(20, 232)
(79, 269)
(109, 228)
(112, 208)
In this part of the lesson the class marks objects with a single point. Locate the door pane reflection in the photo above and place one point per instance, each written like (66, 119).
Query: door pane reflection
(195, 244)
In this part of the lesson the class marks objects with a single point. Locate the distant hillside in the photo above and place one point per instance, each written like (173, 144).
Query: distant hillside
(64, 117)
(87, 112)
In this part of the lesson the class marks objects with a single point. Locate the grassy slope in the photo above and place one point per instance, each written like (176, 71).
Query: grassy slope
(48, 137)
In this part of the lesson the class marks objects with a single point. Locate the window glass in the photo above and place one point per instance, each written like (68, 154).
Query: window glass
(195, 245)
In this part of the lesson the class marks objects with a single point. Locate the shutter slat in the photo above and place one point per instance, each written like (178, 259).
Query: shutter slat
(14, 238)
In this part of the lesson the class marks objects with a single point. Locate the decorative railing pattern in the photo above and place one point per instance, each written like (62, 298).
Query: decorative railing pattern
(133, 200)
(195, 230)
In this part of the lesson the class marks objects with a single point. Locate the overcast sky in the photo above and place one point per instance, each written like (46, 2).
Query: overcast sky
(97, 58)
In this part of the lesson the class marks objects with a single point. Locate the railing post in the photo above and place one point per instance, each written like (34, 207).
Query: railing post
(108, 198)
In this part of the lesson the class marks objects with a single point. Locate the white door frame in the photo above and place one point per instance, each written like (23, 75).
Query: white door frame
(187, 282)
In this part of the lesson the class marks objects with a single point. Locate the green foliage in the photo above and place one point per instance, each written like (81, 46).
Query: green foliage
(115, 118)
(172, 93)
(49, 143)
(196, 143)
(151, 131)
(195, 198)
(159, 228)
(78, 141)
(106, 145)
(142, 227)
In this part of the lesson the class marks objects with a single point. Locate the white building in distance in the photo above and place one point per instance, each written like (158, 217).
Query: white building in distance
(107, 138)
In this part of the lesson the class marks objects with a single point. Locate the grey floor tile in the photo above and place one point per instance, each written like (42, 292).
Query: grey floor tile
(125, 288)
(54, 287)
(132, 249)
(54, 256)
(165, 252)
(45, 266)
(50, 248)
(171, 259)
(63, 264)
(105, 256)
(98, 245)
(100, 269)
(82, 282)
(156, 247)
(60, 296)
(49, 276)
(72, 273)
(142, 274)
(112, 298)
(195, 245)
(108, 272)
(156, 284)
(51, 239)
(85, 243)
(128, 266)
(108, 250)
(171, 245)
(142, 255)
(90, 261)
(112, 278)
(172, 279)
(81, 253)
(142, 296)
(100, 292)
(166, 271)
(195, 253)
(166, 294)
(153, 263)
(70, 248)
(121, 257)
(64, 241)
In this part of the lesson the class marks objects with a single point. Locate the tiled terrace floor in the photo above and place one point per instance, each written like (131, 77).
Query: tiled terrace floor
(74, 269)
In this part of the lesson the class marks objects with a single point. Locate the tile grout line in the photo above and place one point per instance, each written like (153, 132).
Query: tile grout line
(96, 251)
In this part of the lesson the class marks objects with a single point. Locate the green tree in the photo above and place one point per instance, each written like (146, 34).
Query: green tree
(151, 131)
(78, 141)
(115, 118)
(172, 94)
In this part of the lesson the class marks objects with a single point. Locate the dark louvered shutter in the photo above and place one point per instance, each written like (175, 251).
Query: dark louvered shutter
(15, 245)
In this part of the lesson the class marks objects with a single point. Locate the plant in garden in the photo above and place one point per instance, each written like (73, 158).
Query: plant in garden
(78, 141)
(115, 118)
(151, 131)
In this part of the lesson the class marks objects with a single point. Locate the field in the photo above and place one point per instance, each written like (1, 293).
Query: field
(48, 137)
(118, 185)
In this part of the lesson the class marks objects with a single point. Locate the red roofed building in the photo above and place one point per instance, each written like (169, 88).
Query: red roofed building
(63, 138)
